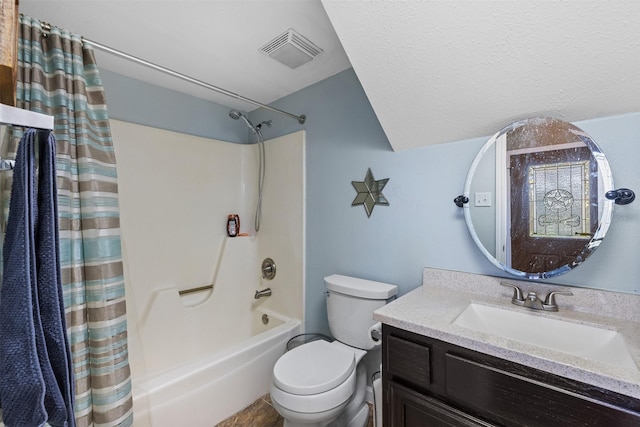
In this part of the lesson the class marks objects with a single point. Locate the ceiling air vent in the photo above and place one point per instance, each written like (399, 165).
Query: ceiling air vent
(291, 49)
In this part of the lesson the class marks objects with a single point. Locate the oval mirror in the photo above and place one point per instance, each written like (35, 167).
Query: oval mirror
(536, 191)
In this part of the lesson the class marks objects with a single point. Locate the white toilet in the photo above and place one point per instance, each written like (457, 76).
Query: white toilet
(322, 383)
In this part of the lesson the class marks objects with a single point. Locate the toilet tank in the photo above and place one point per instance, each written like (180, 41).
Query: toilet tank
(350, 305)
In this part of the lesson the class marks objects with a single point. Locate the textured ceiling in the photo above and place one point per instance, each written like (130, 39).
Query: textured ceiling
(438, 71)
(434, 71)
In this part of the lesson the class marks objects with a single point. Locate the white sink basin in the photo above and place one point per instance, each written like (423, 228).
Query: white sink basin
(588, 342)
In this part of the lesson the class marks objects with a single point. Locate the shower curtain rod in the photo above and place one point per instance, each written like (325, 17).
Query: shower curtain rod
(301, 118)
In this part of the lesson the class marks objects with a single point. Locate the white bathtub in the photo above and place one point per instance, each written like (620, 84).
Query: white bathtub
(206, 391)
(199, 358)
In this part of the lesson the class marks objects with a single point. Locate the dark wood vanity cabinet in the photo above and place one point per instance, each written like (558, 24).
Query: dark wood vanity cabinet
(427, 382)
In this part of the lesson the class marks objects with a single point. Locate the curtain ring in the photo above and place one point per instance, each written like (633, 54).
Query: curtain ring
(46, 28)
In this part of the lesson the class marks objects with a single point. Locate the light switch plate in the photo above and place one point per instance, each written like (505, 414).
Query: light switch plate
(482, 199)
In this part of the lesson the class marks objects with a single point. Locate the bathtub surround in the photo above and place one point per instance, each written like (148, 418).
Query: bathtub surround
(201, 357)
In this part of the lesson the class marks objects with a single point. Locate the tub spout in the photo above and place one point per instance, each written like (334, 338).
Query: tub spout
(263, 293)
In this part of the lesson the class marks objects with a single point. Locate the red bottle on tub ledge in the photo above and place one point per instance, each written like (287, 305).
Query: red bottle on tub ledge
(233, 225)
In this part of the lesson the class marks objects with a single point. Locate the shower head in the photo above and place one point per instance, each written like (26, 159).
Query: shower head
(236, 115)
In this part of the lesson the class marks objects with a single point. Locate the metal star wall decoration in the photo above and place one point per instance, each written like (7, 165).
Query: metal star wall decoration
(369, 192)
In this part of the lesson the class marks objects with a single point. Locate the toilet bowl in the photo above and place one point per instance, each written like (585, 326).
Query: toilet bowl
(323, 383)
(314, 383)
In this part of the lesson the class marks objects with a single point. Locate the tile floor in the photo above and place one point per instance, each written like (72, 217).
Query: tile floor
(261, 414)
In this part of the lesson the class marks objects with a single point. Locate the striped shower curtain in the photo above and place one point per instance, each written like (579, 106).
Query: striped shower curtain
(58, 76)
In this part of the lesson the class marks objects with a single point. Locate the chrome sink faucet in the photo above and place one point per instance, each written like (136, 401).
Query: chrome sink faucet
(532, 301)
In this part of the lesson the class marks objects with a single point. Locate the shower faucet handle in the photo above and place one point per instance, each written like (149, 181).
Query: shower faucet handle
(268, 269)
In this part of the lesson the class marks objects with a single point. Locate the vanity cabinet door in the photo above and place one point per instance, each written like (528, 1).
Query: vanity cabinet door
(412, 409)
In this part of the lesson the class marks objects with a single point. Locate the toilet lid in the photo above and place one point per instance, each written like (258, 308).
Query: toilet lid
(313, 368)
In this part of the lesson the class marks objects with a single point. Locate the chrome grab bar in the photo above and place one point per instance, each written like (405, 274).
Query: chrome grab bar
(192, 290)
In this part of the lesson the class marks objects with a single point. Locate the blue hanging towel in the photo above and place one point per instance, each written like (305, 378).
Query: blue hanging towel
(50, 294)
(37, 384)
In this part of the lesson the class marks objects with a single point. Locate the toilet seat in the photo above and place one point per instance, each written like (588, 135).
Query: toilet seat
(313, 368)
(315, 403)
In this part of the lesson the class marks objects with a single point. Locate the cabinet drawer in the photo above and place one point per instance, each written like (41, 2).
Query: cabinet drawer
(517, 400)
(408, 360)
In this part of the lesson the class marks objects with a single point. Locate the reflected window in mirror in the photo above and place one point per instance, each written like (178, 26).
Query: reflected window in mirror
(559, 199)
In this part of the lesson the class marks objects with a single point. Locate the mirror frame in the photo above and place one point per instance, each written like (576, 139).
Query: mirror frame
(604, 174)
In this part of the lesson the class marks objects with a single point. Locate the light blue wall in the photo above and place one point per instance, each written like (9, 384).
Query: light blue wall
(422, 226)
(139, 102)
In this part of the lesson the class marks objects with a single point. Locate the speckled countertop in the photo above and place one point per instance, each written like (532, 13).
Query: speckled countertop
(430, 310)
